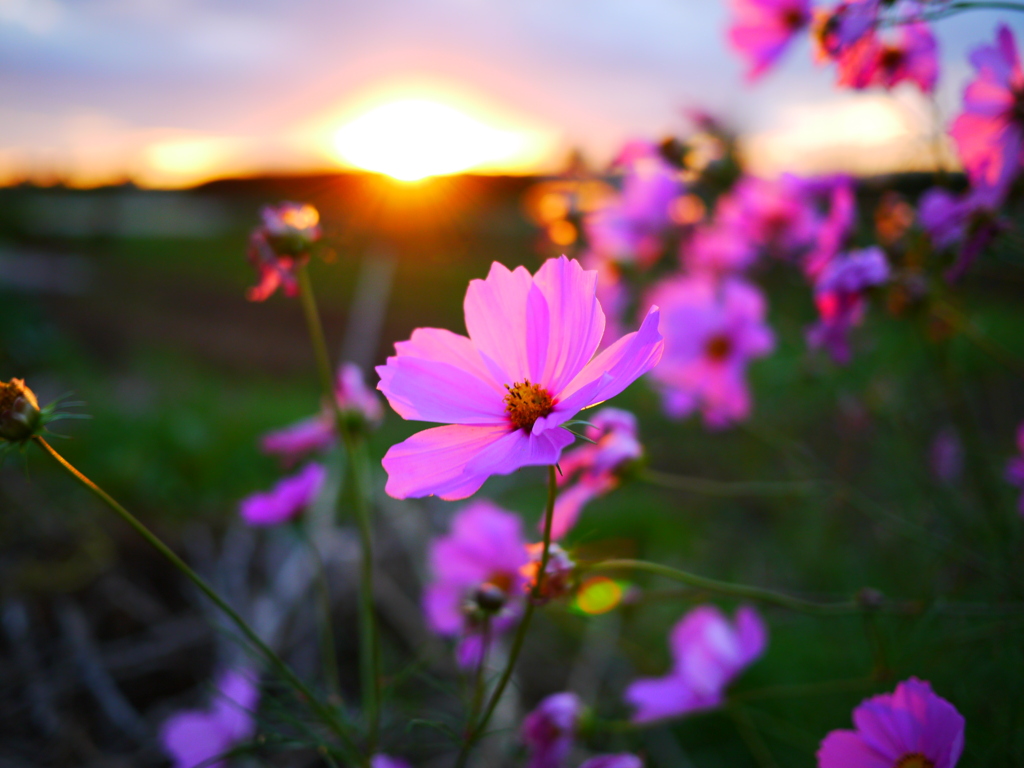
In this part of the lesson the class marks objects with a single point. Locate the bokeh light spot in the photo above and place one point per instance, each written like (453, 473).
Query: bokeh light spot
(598, 595)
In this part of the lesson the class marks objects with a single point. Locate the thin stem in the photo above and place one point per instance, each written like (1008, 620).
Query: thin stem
(517, 642)
(369, 647)
(328, 647)
(479, 681)
(728, 488)
(742, 591)
(369, 656)
(322, 711)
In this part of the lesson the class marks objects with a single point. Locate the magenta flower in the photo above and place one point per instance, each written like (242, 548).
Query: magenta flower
(971, 221)
(316, 434)
(717, 250)
(621, 760)
(280, 245)
(990, 131)
(910, 728)
(1015, 467)
(776, 216)
(476, 570)
(286, 500)
(708, 653)
(524, 371)
(197, 736)
(910, 55)
(763, 29)
(840, 295)
(384, 761)
(549, 730)
(712, 331)
(845, 25)
(592, 469)
(835, 228)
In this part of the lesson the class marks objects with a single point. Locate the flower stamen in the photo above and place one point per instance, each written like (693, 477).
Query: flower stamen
(526, 402)
(914, 760)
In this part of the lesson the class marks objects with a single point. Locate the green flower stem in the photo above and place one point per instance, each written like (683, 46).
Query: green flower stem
(355, 446)
(328, 647)
(741, 591)
(728, 488)
(479, 678)
(517, 642)
(322, 711)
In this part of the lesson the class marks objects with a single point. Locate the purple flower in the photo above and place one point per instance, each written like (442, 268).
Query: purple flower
(317, 433)
(384, 761)
(591, 470)
(196, 736)
(549, 730)
(280, 245)
(990, 131)
(910, 55)
(1015, 467)
(622, 760)
(839, 294)
(711, 331)
(774, 215)
(287, 500)
(506, 391)
(476, 570)
(717, 250)
(836, 30)
(971, 220)
(837, 224)
(763, 29)
(910, 728)
(708, 653)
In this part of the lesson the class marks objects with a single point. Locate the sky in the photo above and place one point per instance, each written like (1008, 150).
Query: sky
(169, 92)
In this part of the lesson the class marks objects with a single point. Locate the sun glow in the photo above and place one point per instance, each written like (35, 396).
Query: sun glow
(412, 139)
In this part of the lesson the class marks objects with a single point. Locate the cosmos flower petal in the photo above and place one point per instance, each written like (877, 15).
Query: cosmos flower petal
(519, 448)
(656, 698)
(624, 361)
(570, 295)
(496, 312)
(429, 390)
(434, 461)
(846, 749)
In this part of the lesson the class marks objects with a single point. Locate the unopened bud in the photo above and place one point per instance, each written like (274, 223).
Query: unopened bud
(19, 412)
(490, 598)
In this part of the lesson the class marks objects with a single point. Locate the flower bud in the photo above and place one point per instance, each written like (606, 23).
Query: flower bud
(20, 417)
(489, 598)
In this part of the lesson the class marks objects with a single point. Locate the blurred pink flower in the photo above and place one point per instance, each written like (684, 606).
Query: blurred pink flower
(279, 246)
(286, 500)
(197, 736)
(840, 295)
(525, 370)
(840, 212)
(621, 760)
(762, 30)
(558, 575)
(717, 250)
(708, 652)
(629, 230)
(1015, 467)
(385, 761)
(912, 727)
(592, 469)
(971, 220)
(549, 730)
(835, 30)
(776, 216)
(711, 333)
(317, 433)
(910, 55)
(990, 131)
(475, 569)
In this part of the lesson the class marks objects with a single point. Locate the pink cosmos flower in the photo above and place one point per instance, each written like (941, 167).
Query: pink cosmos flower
(840, 294)
(197, 736)
(549, 730)
(592, 469)
(912, 728)
(717, 250)
(836, 30)
(775, 216)
(384, 761)
(280, 245)
(1015, 467)
(909, 55)
(708, 652)
(317, 433)
(834, 229)
(763, 29)
(629, 230)
(711, 333)
(971, 220)
(475, 570)
(621, 760)
(989, 132)
(287, 500)
(508, 388)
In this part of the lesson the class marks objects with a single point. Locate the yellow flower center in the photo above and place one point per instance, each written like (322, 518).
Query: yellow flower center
(914, 760)
(526, 402)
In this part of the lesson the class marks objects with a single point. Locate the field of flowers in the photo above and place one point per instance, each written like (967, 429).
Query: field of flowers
(658, 465)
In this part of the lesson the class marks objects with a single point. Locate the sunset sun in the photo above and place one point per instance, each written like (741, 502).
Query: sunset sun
(412, 139)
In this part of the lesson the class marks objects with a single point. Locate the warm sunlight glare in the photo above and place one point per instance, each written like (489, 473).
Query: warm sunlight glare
(412, 139)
